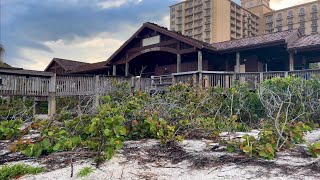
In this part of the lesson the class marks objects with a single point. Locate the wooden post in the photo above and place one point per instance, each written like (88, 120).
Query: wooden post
(173, 79)
(52, 96)
(114, 70)
(200, 67)
(127, 69)
(96, 93)
(237, 69)
(194, 79)
(261, 77)
(178, 63)
(304, 62)
(291, 61)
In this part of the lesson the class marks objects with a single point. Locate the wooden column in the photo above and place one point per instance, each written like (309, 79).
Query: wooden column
(52, 96)
(127, 69)
(97, 93)
(178, 63)
(200, 67)
(291, 61)
(114, 70)
(304, 62)
(237, 68)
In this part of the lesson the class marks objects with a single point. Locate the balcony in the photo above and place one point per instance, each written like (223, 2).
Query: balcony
(269, 21)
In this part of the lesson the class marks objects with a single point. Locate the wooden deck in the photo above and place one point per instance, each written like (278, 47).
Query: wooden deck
(50, 86)
(22, 85)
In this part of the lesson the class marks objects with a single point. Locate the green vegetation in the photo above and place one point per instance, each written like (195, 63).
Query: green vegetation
(15, 171)
(83, 172)
(283, 109)
(10, 129)
(314, 149)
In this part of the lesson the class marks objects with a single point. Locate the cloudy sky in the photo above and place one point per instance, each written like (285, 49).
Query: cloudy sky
(35, 31)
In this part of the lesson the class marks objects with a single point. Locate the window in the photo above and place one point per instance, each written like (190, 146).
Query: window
(173, 23)
(199, 23)
(173, 9)
(301, 18)
(279, 16)
(279, 28)
(314, 8)
(314, 16)
(208, 12)
(190, 11)
(173, 16)
(199, 1)
(290, 27)
(290, 13)
(314, 22)
(269, 18)
(290, 21)
(207, 27)
(302, 11)
(314, 29)
(250, 4)
(190, 4)
(190, 25)
(199, 15)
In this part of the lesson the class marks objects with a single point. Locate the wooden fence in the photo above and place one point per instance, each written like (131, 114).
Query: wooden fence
(21, 85)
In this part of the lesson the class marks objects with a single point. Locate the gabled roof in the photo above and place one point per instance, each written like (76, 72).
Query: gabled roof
(306, 42)
(188, 40)
(257, 41)
(67, 65)
(90, 67)
(26, 72)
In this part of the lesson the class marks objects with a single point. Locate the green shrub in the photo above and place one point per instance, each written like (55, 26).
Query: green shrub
(10, 129)
(314, 149)
(85, 171)
(269, 142)
(15, 171)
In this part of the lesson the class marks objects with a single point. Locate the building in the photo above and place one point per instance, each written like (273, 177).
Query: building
(63, 66)
(222, 20)
(305, 17)
(213, 21)
(156, 51)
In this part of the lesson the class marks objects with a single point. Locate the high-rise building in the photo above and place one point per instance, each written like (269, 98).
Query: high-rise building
(304, 17)
(213, 20)
(221, 20)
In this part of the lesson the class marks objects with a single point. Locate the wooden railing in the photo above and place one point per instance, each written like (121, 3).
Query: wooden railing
(12, 85)
(22, 85)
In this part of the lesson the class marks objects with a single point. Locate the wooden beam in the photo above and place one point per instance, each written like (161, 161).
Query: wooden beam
(165, 43)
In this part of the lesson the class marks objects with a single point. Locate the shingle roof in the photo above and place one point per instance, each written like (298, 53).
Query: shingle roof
(306, 42)
(67, 65)
(90, 67)
(26, 72)
(254, 41)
